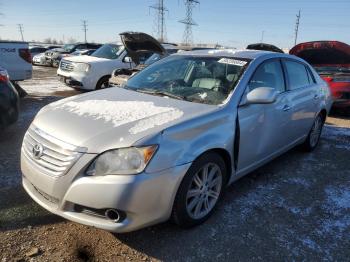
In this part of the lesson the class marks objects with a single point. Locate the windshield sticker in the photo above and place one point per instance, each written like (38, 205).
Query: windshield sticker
(232, 62)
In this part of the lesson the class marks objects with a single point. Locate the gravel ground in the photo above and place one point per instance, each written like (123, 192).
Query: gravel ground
(295, 208)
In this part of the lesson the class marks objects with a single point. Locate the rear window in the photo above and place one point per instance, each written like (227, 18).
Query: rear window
(297, 75)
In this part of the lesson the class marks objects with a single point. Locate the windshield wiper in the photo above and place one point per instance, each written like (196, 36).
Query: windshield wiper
(160, 93)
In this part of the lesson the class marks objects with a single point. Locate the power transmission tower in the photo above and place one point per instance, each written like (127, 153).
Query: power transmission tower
(20, 28)
(262, 36)
(297, 28)
(188, 21)
(84, 28)
(160, 20)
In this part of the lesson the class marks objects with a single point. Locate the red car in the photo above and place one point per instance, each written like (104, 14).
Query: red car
(331, 59)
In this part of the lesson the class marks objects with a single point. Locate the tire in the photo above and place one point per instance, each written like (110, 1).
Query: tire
(313, 137)
(103, 83)
(195, 202)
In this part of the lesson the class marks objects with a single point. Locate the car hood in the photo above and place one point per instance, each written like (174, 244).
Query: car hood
(137, 43)
(323, 53)
(113, 118)
(85, 59)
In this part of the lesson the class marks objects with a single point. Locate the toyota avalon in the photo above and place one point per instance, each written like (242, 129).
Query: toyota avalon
(167, 143)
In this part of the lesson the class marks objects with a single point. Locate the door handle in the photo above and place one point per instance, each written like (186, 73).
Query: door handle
(286, 108)
(316, 96)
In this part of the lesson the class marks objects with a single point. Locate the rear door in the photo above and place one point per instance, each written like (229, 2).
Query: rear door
(264, 128)
(303, 96)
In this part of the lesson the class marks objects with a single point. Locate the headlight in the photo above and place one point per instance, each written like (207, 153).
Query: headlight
(123, 161)
(81, 67)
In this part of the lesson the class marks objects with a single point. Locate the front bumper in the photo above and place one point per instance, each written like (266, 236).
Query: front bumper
(145, 199)
(78, 79)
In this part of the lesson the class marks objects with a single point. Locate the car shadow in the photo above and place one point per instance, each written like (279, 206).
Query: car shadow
(18, 210)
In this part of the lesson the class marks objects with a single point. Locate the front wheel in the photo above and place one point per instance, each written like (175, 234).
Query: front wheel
(199, 191)
(313, 138)
(103, 83)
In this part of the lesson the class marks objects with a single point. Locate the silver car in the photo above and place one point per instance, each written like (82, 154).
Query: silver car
(168, 143)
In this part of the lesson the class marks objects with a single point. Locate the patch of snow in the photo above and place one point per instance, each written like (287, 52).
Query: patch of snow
(337, 204)
(340, 135)
(298, 181)
(203, 95)
(122, 112)
(44, 85)
(156, 120)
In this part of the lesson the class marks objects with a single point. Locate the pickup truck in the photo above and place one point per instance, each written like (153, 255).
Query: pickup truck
(17, 60)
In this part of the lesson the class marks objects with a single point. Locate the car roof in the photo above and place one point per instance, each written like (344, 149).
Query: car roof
(245, 53)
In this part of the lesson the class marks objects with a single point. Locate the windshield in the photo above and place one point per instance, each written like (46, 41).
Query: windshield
(206, 80)
(109, 51)
(153, 58)
(68, 47)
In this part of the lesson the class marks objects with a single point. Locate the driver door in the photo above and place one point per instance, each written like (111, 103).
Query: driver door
(263, 127)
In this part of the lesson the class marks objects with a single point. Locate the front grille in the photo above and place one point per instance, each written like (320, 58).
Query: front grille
(345, 96)
(66, 66)
(55, 157)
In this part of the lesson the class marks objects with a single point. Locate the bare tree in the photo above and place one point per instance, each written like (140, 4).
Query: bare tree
(71, 40)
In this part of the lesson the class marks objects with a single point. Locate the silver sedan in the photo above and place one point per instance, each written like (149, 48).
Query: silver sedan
(168, 143)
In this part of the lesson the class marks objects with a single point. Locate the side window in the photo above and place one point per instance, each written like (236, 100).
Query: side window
(297, 74)
(268, 74)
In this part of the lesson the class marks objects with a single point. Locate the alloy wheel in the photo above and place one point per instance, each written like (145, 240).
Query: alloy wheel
(204, 191)
(316, 131)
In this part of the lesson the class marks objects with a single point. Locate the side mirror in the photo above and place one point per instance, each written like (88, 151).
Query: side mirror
(261, 95)
(127, 59)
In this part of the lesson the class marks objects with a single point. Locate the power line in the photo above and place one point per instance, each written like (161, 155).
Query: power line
(297, 28)
(160, 20)
(20, 28)
(188, 21)
(84, 28)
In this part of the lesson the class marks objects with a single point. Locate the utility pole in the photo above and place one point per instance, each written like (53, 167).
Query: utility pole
(20, 28)
(188, 21)
(160, 20)
(84, 28)
(262, 36)
(297, 28)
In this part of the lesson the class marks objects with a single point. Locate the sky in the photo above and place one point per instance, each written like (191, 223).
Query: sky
(233, 23)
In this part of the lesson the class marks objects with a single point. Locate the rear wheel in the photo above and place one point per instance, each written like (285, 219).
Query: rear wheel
(199, 191)
(313, 138)
(103, 83)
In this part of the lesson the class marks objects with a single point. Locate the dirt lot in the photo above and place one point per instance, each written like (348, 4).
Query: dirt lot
(295, 208)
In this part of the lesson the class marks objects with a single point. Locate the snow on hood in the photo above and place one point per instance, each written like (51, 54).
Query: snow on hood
(85, 59)
(114, 117)
(123, 112)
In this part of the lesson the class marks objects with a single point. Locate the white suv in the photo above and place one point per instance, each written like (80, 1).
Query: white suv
(93, 72)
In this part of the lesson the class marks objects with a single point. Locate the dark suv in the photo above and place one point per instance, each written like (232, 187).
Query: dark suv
(52, 55)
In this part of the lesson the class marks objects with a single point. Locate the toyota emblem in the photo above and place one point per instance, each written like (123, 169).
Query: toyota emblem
(37, 151)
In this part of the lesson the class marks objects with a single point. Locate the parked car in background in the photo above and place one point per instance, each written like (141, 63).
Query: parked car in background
(35, 50)
(137, 44)
(52, 55)
(16, 59)
(169, 142)
(57, 61)
(9, 100)
(264, 47)
(40, 59)
(331, 59)
(93, 72)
